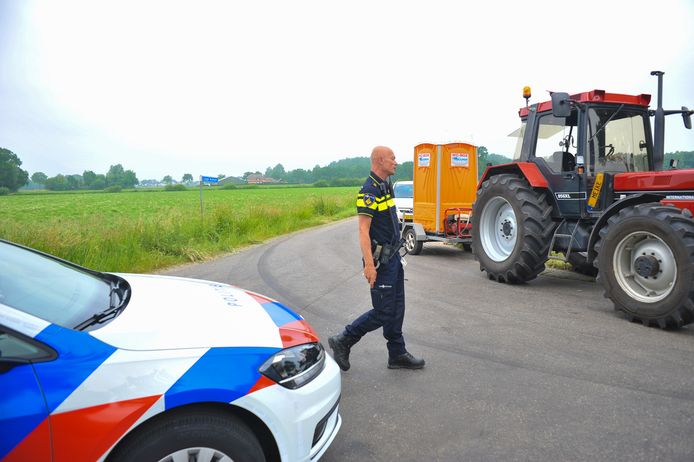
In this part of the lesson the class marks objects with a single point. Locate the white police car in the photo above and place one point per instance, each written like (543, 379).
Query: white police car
(124, 367)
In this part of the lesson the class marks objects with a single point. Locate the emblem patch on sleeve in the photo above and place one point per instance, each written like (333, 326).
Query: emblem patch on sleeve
(369, 199)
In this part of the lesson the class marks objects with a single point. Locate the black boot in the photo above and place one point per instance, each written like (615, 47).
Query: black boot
(405, 361)
(341, 344)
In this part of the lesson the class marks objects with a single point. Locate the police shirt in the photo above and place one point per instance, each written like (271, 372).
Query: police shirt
(375, 199)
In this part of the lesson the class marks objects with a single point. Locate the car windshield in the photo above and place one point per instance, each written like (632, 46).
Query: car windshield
(402, 190)
(49, 289)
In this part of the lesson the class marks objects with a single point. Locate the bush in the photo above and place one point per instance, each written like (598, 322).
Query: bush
(229, 186)
(113, 189)
(175, 187)
(321, 184)
(4, 191)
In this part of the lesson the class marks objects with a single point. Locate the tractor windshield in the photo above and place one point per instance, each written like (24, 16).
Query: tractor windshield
(518, 134)
(617, 140)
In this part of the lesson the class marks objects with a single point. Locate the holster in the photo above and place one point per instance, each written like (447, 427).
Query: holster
(382, 253)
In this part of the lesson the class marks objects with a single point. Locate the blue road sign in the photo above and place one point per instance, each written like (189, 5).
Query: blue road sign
(209, 179)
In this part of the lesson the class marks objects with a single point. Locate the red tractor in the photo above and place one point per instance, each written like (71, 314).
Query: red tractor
(587, 181)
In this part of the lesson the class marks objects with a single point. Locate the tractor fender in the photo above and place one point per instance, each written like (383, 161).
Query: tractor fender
(613, 209)
(528, 170)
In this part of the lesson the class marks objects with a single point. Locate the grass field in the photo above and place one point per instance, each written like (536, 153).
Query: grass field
(142, 231)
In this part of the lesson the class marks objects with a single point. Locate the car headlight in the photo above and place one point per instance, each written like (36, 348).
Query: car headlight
(296, 366)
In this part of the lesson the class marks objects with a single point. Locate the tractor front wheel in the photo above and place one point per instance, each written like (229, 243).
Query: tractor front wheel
(645, 255)
(511, 229)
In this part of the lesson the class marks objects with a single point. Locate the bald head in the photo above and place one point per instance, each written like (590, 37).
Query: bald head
(383, 161)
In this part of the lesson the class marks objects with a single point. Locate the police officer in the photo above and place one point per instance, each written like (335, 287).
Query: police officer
(379, 240)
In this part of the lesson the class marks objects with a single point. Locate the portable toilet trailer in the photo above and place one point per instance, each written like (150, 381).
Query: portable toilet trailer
(445, 186)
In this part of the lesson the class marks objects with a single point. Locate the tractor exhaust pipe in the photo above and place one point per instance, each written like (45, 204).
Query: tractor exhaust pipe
(659, 129)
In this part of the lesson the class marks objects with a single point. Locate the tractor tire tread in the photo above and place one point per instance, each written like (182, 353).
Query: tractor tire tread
(534, 222)
(683, 226)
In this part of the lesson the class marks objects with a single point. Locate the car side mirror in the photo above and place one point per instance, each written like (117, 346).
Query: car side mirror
(561, 105)
(687, 116)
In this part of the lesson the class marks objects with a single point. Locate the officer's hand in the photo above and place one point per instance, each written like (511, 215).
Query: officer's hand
(370, 274)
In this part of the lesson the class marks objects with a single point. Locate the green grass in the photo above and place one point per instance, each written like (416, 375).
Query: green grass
(142, 231)
(558, 264)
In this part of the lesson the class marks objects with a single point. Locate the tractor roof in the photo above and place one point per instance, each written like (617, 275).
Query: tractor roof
(595, 96)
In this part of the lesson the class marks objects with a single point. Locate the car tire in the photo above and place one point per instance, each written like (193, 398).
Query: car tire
(203, 435)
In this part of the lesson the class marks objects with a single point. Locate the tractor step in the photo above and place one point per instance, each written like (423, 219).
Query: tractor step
(571, 237)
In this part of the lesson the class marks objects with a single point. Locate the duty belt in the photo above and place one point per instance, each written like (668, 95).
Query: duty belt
(382, 253)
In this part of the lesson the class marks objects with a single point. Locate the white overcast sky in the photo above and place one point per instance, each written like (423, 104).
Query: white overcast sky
(203, 87)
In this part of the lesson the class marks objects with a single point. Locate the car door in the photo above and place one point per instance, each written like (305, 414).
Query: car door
(24, 424)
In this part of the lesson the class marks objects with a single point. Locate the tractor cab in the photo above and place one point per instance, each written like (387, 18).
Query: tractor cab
(574, 139)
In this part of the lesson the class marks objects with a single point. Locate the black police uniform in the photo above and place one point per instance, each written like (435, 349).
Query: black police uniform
(375, 199)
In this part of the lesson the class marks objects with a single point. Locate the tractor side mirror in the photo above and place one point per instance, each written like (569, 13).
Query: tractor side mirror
(687, 116)
(561, 105)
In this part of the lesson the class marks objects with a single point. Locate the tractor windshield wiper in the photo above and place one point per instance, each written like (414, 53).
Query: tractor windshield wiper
(117, 297)
(621, 106)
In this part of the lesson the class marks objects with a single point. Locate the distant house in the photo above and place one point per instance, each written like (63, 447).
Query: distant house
(254, 178)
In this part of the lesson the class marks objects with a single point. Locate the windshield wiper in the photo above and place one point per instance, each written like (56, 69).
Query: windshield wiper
(606, 122)
(117, 296)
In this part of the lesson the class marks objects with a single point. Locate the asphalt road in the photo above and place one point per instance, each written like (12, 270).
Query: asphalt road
(544, 371)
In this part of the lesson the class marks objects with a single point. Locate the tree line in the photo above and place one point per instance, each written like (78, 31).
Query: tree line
(116, 178)
(352, 171)
(345, 172)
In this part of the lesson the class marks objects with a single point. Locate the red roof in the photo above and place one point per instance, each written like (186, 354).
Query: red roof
(595, 96)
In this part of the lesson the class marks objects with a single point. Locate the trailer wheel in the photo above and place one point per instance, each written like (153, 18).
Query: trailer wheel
(512, 228)
(412, 245)
(645, 255)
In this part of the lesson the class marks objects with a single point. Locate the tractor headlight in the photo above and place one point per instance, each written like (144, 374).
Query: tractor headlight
(296, 366)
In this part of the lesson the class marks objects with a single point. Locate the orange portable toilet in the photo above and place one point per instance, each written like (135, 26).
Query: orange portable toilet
(445, 179)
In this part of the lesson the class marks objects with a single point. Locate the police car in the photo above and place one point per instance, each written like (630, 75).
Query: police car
(126, 367)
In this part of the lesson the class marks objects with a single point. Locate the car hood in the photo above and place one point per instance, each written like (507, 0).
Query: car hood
(403, 202)
(170, 313)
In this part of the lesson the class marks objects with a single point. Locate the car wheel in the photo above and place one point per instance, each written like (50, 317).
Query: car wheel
(201, 435)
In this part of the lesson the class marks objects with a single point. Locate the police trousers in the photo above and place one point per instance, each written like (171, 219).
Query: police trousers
(388, 302)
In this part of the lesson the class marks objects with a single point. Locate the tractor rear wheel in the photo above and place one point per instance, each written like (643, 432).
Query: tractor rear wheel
(645, 255)
(511, 229)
